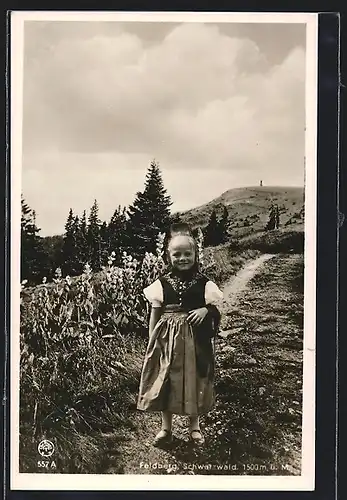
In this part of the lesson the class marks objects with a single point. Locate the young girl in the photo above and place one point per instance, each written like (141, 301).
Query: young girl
(178, 371)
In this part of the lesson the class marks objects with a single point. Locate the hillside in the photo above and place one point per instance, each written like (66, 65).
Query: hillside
(248, 208)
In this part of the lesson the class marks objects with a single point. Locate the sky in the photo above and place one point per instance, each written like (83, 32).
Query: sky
(217, 105)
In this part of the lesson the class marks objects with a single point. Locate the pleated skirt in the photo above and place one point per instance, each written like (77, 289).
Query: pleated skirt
(170, 379)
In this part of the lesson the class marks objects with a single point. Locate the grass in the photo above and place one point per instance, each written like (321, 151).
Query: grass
(248, 208)
(78, 435)
(258, 413)
(256, 425)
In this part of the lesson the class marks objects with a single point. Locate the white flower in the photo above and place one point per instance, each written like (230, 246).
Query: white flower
(58, 272)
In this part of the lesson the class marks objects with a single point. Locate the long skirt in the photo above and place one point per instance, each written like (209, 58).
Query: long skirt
(171, 379)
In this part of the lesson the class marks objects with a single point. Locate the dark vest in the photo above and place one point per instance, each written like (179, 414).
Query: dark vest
(187, 295)
(190, 294)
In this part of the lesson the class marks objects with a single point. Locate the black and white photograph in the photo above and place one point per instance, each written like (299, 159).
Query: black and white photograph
(163, 228)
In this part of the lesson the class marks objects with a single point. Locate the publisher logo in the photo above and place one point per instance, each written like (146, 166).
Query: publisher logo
(45, 448)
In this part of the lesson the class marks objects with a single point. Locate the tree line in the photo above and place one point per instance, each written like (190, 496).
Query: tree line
(88, 239)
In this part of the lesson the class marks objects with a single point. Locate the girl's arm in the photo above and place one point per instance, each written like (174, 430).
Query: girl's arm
(155, 315)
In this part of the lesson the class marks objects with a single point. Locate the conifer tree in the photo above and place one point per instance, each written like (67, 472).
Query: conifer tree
(271, 224)
(82, 241)
(223, 226)
(34, 259)
(117, 231)
(104, 243)
(150, 213)
(70, 257)
(212, 231)
(94, 237)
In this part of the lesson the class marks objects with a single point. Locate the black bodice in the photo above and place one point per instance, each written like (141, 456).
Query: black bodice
(187, 293)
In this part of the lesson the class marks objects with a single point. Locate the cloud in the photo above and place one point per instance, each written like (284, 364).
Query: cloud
(112, 93)
(197, 99)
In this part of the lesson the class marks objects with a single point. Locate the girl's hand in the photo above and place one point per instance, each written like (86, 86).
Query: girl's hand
(197, 316)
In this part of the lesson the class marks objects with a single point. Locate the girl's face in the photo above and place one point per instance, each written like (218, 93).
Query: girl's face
(182, 253)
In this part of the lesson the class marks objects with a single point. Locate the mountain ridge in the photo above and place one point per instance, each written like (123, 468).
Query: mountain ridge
(248, 208)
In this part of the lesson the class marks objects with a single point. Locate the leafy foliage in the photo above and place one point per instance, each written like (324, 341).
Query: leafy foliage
(75, 334)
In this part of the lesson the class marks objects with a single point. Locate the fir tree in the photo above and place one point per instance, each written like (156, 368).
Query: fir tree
(273, 218)
(94, 237)
(150, 213)
(117, 231)
(70, 257)
(53, 247)
(82, 241)
(34, 259)
(212, 231)
(223, 226)
(104, 243)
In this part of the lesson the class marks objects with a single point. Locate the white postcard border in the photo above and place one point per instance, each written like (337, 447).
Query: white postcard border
(305, 481)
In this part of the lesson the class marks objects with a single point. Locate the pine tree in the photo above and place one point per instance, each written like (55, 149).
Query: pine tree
(223, 226)
(104, 243)
(94, 237)
(70, 250)
(82, 241)
(34, 259)
(117, 231)
(53, 247)
(271, 224)
(150, 213)
(212, 231)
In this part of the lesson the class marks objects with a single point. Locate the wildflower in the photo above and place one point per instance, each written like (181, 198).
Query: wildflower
(58, 272)
(44, 280)
(68, 280)
(87, 269)
(200, 242)
(160, 244)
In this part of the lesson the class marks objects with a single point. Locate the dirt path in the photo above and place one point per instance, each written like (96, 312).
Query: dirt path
(237, 284)
(245, 428)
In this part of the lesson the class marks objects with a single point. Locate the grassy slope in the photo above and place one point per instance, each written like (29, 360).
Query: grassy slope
(92, 452)
(256, 424)
(259, 374)
(254, 203)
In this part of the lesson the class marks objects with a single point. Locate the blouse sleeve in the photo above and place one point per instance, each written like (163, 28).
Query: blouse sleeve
(154, 293)
(212, 293)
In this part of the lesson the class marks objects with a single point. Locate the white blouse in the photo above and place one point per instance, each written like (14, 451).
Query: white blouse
(155, 296)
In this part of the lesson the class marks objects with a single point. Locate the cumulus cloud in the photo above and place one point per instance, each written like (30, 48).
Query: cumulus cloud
(197, 99)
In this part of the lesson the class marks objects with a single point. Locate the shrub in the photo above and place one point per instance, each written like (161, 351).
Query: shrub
(277, 241)
(75, 337)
